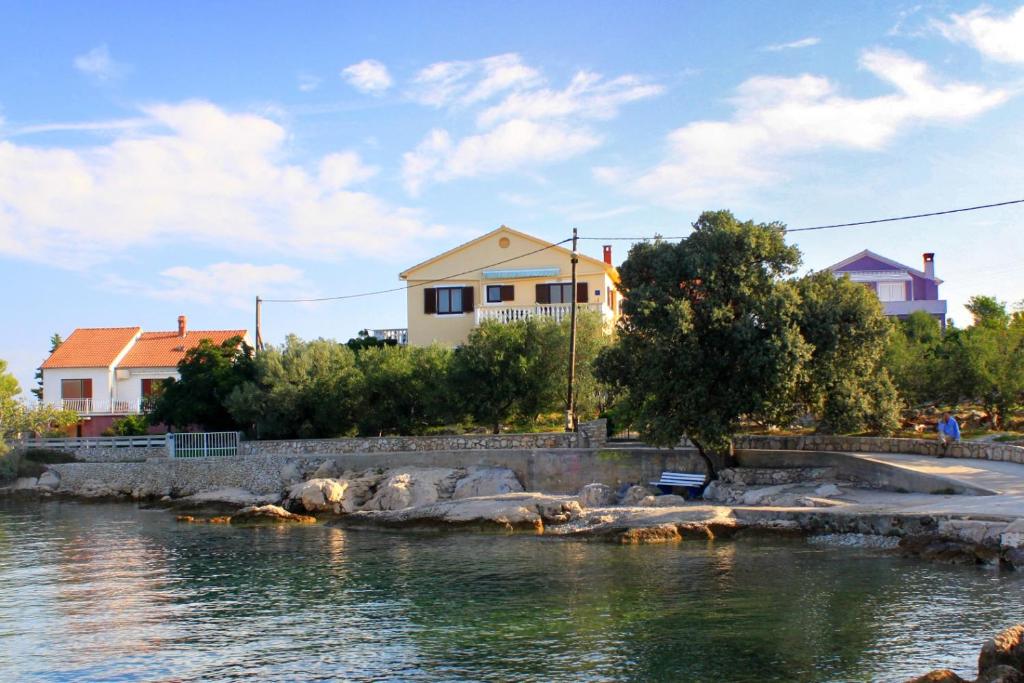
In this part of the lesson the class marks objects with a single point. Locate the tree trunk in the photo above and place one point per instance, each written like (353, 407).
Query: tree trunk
(727, 459)
(712, 473)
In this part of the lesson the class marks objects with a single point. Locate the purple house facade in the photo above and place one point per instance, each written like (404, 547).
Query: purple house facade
(901, 289)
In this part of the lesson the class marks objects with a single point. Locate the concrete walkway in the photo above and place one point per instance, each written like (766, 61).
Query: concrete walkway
(1005, 479)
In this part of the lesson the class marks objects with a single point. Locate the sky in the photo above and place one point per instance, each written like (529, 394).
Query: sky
(159, 159)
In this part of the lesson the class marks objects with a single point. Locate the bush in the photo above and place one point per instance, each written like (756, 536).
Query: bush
(129, 425)
(49, 456)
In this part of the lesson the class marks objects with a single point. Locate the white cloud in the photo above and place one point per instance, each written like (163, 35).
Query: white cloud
(779, 118)
(197, 175)
(369, 76)
(308, 82)
(512, 145)
(794, 45)
(97, 63)
(588, 95)
(528, 126)
(998, 38)
(469, 82)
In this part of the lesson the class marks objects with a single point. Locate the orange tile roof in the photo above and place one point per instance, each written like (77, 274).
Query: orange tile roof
(165, 349)
(91, 347)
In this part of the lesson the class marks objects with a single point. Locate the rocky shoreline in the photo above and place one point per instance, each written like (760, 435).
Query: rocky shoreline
(806, 502)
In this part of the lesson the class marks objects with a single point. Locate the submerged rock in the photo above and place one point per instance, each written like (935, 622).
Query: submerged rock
(269, 514)
(487, 481)
(663, 533)
(938, 676)
(229, 495)
(1006, 649)
(596, 496)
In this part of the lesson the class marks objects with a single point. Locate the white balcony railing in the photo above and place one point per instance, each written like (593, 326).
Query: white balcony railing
(398, 334)
(507, 314)
(95, 406)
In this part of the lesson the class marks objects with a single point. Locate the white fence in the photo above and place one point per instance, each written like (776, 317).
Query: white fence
(74, 443)
(508, 314)
(202, 444)
(96, 406)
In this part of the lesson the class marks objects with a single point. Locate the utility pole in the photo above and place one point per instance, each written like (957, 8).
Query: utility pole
(259, 331)
(570, 401)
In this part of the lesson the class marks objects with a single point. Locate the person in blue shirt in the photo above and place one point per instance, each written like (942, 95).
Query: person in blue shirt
(949, 431)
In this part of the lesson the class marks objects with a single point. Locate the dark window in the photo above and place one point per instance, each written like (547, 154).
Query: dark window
(561, 293)
(151, 387)
(76, 388)
(449, 300)
(494, 294)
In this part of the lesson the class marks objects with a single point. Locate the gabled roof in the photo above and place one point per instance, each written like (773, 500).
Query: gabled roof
(404, 275)
(91, 347)
(165, 349)
(888, 261)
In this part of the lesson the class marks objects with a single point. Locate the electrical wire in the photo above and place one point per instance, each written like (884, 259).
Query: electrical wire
(837, 225)
(418, 284)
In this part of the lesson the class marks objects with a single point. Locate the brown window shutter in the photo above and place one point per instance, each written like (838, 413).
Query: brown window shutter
(508, 292)
(467, 299)
(543, 294)
(582, 293)
(429, 300)
(86, 388)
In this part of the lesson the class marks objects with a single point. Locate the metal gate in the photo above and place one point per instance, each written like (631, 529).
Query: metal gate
(202, 444)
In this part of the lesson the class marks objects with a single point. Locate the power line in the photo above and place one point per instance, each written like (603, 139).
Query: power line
(836, 225)
(418, 284)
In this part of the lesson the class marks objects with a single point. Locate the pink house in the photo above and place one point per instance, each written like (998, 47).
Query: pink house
(901, 289)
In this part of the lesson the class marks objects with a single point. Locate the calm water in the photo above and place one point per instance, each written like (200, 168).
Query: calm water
(113, 593)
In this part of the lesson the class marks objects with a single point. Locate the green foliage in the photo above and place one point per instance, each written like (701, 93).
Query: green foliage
(303, 389)
(365, 341)
(49, 456)
(914, 358)
(129, 425)
(847, 332)
(209, 373)
(55, 341)
(405, 389)
(708, 333)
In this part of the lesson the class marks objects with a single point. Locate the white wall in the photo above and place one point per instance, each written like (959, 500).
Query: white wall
(130, 389)
(101, 378)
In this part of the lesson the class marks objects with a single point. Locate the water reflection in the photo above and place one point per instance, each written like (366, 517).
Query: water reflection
(107, 591)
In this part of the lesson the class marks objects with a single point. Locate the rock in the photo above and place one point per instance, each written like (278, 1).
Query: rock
(320, 495)
(1014, 557)
(509, 511)
(667, 500)
(1007, 649)
(360, 489)
(596, 496)
(269, 514)
(711, 490)
(95, 489)
(290, 474)
(663, 533)
(972, 531)
(760, 496)
(559, 512)
(26, 483)
(1001, 674)
(49, 479)
(487, 481)
(414, 487)
(229, 496)
(328, 470)
(190, 519)
(166, 499)
(938, 676)
(634, 494)
(828, 491)
(1013, 535)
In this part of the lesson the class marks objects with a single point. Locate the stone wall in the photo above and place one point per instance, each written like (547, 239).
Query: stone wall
(118, 454)
(591, 435)
(869, 444)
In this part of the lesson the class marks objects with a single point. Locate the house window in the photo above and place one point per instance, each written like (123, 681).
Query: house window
(151, 387)
(561, 293)
(498, 293)
(449, 300)
(76, 388)
(892, 291)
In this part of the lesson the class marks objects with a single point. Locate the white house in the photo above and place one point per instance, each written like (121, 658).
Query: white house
(108, 372)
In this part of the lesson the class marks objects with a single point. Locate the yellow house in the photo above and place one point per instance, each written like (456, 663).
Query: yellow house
(504, 275)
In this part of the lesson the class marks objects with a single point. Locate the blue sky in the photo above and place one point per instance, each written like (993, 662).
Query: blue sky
(158, 159)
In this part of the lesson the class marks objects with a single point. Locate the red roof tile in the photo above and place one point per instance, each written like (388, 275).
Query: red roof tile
(91, 347)
(165, 349)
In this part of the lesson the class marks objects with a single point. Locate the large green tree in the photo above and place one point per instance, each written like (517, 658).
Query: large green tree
(842, 381)
(308, 389)
(208, 374)
(914, 358)
(55, 341)
(709, 332)
(405, 389)
(17, 418)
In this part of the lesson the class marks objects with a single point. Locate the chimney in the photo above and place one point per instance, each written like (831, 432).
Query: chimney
(182, 325)
(608, 254)
(929, 265)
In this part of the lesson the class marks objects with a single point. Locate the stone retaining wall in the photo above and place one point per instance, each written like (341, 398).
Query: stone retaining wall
(591, 435)
(119, 454)
(871, 444)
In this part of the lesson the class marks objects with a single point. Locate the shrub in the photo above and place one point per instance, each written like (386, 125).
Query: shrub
(129, 425)
(49, 456)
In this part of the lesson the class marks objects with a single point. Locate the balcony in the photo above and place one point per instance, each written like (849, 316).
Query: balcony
(508, 314)
(936, 307)
(94, 406)
(400, 335)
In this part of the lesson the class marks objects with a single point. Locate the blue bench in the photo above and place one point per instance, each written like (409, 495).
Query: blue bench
(693, 483)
